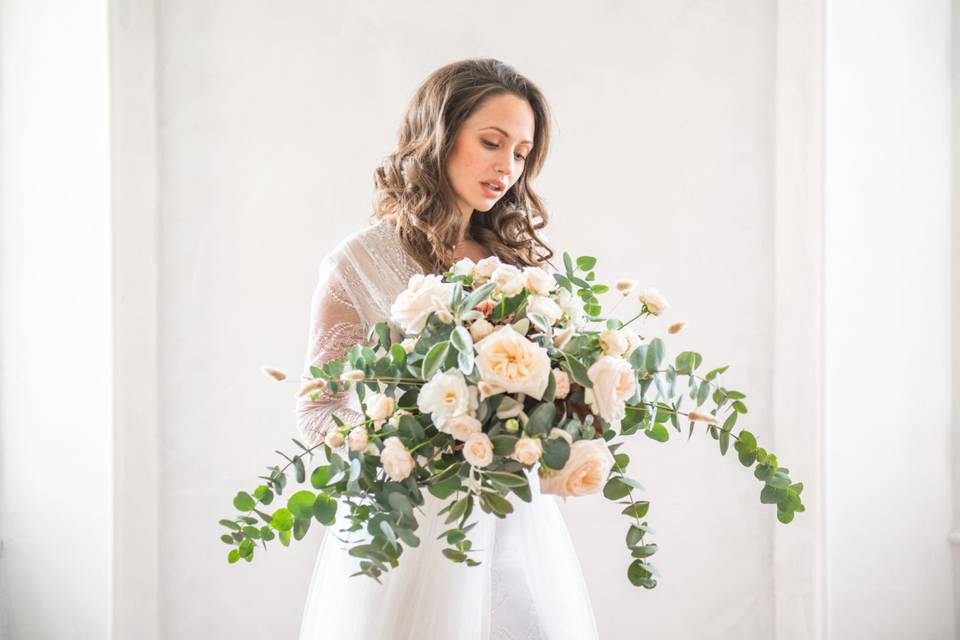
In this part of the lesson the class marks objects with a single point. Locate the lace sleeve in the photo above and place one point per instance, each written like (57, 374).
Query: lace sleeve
(335, 326)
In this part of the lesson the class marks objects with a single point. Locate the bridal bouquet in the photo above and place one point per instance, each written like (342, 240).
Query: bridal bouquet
(499, 369)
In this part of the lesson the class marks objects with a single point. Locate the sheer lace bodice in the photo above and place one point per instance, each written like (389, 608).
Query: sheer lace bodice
(528, 585)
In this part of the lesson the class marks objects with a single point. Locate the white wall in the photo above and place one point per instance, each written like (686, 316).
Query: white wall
(887, 265)
(178, 251)
(55, 321)
(271, 122)
(955, 282)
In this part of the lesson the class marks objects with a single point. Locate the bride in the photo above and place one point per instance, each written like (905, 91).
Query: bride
(457, 187)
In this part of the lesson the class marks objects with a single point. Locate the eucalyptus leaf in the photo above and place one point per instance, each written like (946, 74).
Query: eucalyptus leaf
(556, 452)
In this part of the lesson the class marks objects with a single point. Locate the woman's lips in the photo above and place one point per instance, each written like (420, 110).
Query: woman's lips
(491, 193)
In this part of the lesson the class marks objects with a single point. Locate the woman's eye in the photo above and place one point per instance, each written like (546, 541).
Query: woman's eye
(494, 145)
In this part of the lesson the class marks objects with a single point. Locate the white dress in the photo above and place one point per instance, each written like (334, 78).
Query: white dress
(529, 585)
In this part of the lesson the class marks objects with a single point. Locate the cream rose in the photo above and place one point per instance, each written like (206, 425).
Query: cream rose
(358, 439)
(527, 451)
(478, 450)
(379, 408)
(409, 344)
(486, 267)
(544, 306)
(654, 300)
(585, 472)
(633, 340)
(396, 460)
(511, 362)
(444, 396)
(480, 329)
(424, 294)
(562, 384)
(462, 427)
(613, 383)
(334, 438)
(509, 279)
(463, 267)
(538, 281)
(613, 342)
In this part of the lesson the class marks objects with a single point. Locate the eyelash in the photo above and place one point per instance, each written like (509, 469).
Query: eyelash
(494, 145)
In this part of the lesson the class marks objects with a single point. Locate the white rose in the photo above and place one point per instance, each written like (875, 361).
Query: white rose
(633, 340)
(473, 402)
(396, 460)
(538, 281)
(511, 362)
(509, 279)
(379, 408)
(423, 295)
(358, 439)
(612, 342)
(445, 395)
(585, 472)
(544, 306)
(409, 345)
(462, 427)
(463, 267)
(334, 438)
(486, 267)
(613, 383)
(480, 329)
(527, 451)
(478, 450)
(654, 300)
(562, 381)
(571, 306)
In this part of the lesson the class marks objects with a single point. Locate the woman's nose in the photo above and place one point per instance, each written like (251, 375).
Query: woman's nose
(504, 166)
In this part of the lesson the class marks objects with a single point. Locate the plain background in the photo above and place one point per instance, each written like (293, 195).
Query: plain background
(173, 172)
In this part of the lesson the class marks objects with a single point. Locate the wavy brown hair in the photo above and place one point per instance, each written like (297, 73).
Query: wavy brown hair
(412, 188)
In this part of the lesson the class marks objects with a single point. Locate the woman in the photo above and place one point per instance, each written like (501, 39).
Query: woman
(457, 187)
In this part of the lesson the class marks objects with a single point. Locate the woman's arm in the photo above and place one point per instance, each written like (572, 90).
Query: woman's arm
(335, 326)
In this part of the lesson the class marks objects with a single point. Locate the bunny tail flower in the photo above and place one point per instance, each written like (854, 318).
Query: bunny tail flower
(317, 384)
(696, 416)
(676, 327)
(274, 373)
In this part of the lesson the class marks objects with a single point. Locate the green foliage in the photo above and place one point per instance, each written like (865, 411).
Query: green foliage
(556, 451)
(388, 510)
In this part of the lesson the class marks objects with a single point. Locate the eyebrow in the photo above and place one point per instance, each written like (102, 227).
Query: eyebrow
(508, 135)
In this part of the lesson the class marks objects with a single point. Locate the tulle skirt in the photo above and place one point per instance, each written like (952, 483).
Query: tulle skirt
(528, 586)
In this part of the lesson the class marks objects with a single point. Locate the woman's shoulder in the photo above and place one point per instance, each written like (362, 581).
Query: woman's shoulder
(369, 239)
(373, 246)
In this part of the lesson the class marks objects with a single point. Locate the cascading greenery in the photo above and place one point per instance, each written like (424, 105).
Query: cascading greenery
(384, 509)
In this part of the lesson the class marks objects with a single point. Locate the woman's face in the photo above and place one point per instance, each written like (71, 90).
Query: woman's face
(490, 148)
